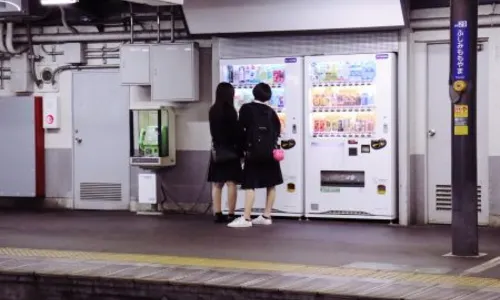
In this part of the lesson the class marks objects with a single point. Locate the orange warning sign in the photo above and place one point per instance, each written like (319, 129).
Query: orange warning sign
(461, 111)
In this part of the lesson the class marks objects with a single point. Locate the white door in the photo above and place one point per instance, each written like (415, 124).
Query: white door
(101, 141)
(439, 134)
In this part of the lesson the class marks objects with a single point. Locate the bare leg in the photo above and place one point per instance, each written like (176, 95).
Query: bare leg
(217, 197)
(271, 196)
(232, 194)
(249, 200)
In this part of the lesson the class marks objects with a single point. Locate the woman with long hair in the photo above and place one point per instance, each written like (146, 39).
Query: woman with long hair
(225, 162)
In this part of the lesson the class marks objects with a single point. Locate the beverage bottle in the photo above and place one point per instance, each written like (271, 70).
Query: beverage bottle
(269, 76)
(252, 75)
(230, 74)
(276, 76)
(248, 80)
(241, 71)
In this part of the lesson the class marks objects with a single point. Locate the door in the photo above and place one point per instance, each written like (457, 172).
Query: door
(439, 134)
(100, 141)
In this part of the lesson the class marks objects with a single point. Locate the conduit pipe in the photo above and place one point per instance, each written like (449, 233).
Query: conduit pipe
(61, 69)
(444, 23)
(9, 37)
(131, 7)
(103, 49)
(64, 22)
(2, 44)
(92, 37)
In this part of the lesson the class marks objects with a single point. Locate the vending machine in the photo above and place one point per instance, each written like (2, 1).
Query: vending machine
(350, 143)
(285, 76)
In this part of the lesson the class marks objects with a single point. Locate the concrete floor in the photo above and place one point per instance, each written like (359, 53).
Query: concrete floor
(324, 243)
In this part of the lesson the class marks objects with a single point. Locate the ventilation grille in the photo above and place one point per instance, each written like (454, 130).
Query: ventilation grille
(443, 198)
(341, 43)
(98, 191)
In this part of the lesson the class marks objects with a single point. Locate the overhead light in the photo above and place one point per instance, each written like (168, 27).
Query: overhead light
(58, 2)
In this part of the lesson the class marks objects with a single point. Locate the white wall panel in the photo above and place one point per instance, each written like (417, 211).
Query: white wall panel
(236, 16)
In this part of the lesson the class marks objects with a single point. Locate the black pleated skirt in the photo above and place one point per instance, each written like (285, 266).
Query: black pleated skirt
(226, 171)
(258, 175)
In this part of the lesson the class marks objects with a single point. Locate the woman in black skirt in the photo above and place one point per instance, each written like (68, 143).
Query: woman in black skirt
(259, 174)
(226, 134)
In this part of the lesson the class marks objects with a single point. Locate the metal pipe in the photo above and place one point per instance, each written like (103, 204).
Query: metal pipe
(8, 39)
(158, 25)
(131, 23)
(172, 24)
(2, 44)
(61, 69)
(92, 37)
(104, 56)
(64, 22)
(103, 49)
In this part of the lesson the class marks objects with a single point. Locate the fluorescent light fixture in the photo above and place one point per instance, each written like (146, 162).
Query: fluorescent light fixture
(18, 8)
(58, 2)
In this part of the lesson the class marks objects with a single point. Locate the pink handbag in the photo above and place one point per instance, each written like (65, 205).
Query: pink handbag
(278, 154)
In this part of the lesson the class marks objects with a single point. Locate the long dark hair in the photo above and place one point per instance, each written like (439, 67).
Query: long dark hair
(224, 101)
(224, 95)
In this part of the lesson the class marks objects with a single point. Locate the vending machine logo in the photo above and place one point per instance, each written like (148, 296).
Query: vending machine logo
(290, 60)
(382, 56)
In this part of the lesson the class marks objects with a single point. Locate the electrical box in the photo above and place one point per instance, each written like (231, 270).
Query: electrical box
(21, 79)
(147, 188)
(73, 54)
(175, 72)
(51, 112)
(135, 64)
(152, 134)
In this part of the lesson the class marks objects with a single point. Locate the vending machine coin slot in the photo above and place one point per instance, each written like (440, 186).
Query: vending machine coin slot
(365, 148)
(381, 189)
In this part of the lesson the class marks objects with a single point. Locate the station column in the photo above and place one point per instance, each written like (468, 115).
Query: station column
(463, 71)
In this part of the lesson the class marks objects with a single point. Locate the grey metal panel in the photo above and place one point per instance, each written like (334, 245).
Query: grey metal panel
(175, 72)
(344, 43)
(134, 64)
(59, 172)
(17, 151)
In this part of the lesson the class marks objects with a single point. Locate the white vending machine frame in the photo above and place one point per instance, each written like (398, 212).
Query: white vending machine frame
(352, 175)
(289, 195)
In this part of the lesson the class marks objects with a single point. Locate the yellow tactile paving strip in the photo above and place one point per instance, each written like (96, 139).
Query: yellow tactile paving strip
(431, 279)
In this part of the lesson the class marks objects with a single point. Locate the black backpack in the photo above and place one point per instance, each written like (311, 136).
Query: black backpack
(261, 137)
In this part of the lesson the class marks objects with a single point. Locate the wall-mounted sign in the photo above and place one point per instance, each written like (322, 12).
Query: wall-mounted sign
(460, 44)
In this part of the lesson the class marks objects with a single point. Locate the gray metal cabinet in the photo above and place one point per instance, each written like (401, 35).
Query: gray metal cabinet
(175, 72)
(134, 64)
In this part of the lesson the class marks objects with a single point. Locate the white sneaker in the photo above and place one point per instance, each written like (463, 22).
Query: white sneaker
(240, 223)
(260, 220)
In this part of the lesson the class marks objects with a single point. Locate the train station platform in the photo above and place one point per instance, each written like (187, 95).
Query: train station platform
(106, 255)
